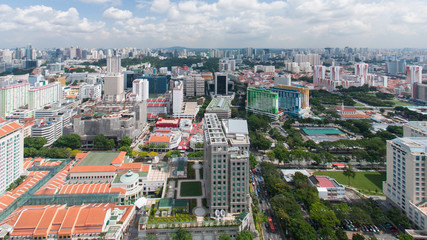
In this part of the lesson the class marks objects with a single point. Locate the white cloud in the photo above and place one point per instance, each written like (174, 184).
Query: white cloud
(160, 6)
(115, 13)
(228, 23)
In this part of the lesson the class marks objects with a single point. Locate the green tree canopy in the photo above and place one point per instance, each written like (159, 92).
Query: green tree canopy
(405, 237)
(72, 141)
(182, 234)
(224, 236)
(125, 141)
(126, 149)
(34, 142)
(103, 142)
(245, 235)
(357, 236)
(323, 215)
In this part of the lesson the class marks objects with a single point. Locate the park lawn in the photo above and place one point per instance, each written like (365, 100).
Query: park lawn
(399, 103)
(191, 189)
(367, 182)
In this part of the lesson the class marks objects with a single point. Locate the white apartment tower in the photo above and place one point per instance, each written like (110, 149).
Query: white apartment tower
(11, 152)
(405, 185)
(194, 85)
(361, 69)
(319, 73)
(12, 97)
(114, 64)
(177, 97)
(45, 95)
(140, 88)
(226, 165)
(414, 74)
(336, 73)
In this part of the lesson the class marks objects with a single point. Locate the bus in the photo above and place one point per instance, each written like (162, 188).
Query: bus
(270, 223)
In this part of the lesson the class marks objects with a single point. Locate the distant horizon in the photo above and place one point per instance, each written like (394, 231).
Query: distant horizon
(288, 24)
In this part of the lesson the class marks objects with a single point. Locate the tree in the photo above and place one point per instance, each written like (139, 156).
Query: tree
(126, 149)
(103, 142)
(341, 235)
(182, 234)
(252, 161)
(152, 154)
(405, 237)
(245, 235)
(34, 142)
(199, 145)
(224, 236)
(357, 236)
(74, 152)
(323, 215)
(308, 195)
(72, 141)
(125, 141)
(349, 173)
(143, 154)
(151, 237)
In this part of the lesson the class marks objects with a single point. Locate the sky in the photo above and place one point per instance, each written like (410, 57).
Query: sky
(213, 23)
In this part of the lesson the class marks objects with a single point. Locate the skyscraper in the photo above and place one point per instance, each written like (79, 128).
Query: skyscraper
(177, 97)
(336, 73)
(140, 88)
(114, 64)
(414, 74)
(226, 165)
(221, 84)
(361, 69)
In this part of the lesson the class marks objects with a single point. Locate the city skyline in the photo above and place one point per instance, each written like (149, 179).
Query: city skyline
(213, 24)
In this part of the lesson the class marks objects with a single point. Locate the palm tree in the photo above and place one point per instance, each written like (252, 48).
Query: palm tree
(349, 173)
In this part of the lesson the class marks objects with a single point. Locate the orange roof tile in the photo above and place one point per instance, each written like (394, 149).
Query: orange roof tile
(8, 128)
(102, 168)
(30, 181)
(119, 159)
(160, 139)
(81, 155)
(129, 166)
(54, 183)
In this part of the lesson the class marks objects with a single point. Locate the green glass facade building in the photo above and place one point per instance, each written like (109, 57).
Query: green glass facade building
(263, 101)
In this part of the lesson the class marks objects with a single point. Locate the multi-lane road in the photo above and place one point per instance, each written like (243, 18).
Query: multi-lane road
(264, 205)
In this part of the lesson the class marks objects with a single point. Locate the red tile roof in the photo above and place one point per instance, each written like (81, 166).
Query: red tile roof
(9, 128)
(324, 182)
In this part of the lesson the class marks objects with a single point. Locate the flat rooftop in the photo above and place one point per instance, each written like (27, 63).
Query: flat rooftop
(219, 104)
(413, 144)
(98, 158)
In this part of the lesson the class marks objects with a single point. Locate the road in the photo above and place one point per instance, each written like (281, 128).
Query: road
(264, 205)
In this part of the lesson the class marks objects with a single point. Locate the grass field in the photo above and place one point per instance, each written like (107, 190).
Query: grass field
(399, 103)
(191, 189)
(366, 182)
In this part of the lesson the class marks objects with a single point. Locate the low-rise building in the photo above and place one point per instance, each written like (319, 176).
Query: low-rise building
(220, 106)
(87, 221)
(415, 129)
(328, 188)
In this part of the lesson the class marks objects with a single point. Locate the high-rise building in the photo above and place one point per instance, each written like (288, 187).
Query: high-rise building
(113, 87)
(221, 84)
(177, 97)
(12, 97)
(226, 165)
(361, 69)
(395, 67)
(114, 64)
(405, 185)
(140, 88)
(336, 73)
(227, 65)
(39, 97)
(263, 101)
(284, 79)
(419, 92)
(319, 73)
(414, 74)
(415, 129)
(293, 100)
(29, 53)
(157, 84)
(11, 152)
(194, 85)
